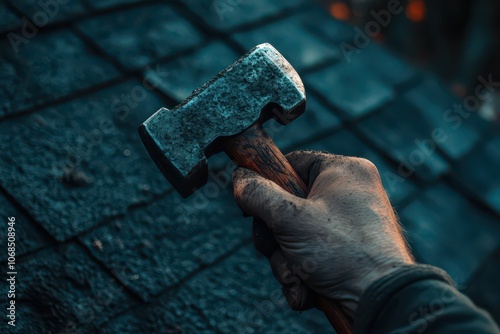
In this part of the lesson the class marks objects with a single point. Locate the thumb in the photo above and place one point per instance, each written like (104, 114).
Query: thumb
(262, 198)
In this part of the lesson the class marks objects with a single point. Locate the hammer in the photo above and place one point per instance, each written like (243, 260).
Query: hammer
(226, 114)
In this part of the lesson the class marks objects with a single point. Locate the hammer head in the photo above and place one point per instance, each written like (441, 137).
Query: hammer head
(259, 86)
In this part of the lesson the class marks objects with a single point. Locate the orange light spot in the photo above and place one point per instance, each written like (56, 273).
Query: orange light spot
(379, 38)
(459, 89)
(415, 10)
(339, 10)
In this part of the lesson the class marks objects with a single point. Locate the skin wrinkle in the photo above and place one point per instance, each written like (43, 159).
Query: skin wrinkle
(347, 217)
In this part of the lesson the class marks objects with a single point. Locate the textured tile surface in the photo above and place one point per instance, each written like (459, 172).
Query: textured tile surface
(483, 182)
(190, 72)
(353, 90)
(139, 36)
(70, 173)
(436, 107)
(41, 13)
(379, 61)
(63, 65)
(447, 231)
(410, 140)
(157, 247)
(225, 15)
(332, 31)
(299, 46)
(216, 301)
(66, 286)
(316, 120)
(8, 19)
(30, 236)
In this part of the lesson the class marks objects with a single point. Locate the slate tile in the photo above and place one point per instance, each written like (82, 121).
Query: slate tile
(29, 235)
(8, 19)
(48, 67)
(63, 289)
(227, 14)
(409, 138)
(353, 90)
(478, 173)
(447, 231)
(346, 143)
(189, 72)
(315, 121)
(159, 245)
(383, 64)
(75, 164)
(238, 295)
(299, 46)
(483, 287)
(140, 36)
(436, 90)
(44, 12)
(331, 30)
(435, 105)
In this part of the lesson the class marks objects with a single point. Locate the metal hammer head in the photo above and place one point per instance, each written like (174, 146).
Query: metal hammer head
(259, 86)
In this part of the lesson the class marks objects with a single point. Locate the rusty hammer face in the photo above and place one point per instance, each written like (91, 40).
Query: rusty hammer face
(259, 86)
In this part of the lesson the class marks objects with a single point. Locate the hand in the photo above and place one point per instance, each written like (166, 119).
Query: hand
(339, 240)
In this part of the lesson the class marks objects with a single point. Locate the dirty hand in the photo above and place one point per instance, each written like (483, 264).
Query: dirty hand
(339, 240)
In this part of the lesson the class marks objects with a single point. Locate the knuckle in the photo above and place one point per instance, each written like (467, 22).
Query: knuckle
(366, 165)
(363, 168)
(244, 189)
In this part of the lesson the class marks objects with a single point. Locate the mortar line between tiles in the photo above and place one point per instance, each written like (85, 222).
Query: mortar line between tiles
(197, 19)
(184, 280)
(91, 12)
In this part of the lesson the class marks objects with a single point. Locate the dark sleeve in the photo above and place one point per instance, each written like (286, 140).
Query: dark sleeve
(419, 299)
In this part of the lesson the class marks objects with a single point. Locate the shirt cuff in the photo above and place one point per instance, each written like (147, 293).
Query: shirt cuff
(379, 293)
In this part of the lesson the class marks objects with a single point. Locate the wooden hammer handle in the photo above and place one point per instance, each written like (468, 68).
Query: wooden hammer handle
(255, 150)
